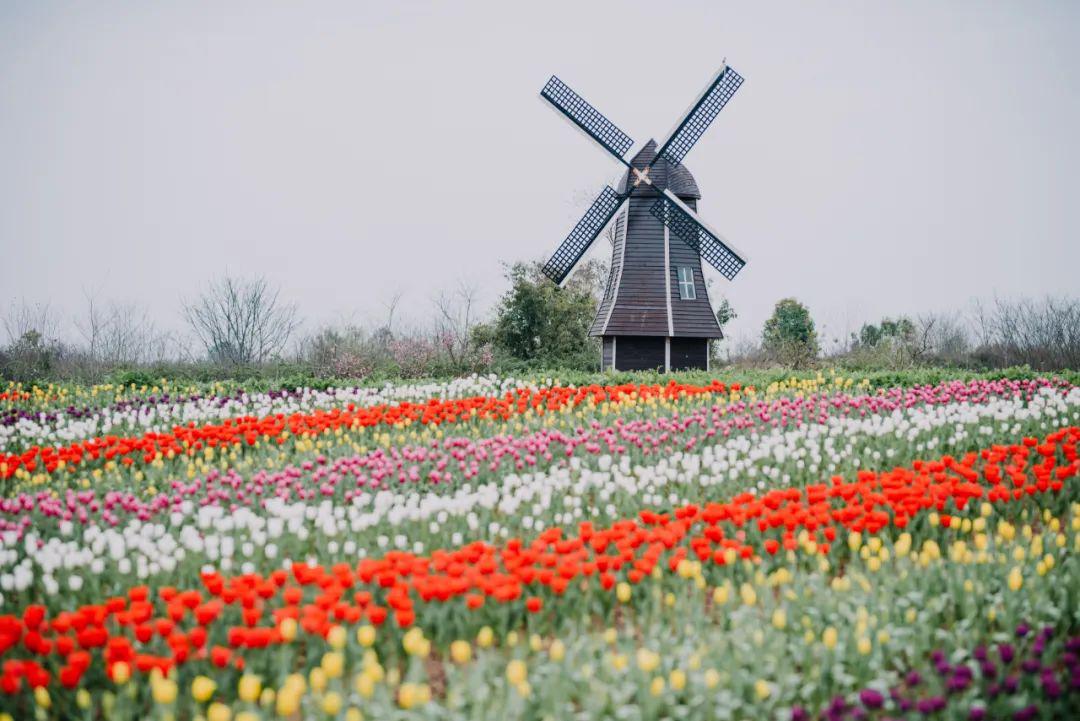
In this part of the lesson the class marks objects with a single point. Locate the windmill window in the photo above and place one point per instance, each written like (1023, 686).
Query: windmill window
(686, 283)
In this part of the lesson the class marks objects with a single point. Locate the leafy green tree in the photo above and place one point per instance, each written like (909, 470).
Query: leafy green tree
(725, 313)
(899, 331)
(789, 335)
(544, 325)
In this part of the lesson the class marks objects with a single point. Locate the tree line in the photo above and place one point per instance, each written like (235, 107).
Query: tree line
(242, 326)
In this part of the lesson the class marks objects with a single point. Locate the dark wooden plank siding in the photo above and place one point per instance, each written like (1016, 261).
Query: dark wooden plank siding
(692, 318)
(689, 353)
(643, 281)
(639, 353)
(641, 304)
(613, 276)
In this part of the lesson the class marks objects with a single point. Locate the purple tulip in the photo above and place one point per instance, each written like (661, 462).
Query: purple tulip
(913, 678)
(1012, 683)
(871, 699)
(1022, 630)
(977, 713)
(798, 713)
(1028, 713)
(1006, 652)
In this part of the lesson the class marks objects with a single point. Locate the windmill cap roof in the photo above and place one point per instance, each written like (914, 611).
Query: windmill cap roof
(676, 178)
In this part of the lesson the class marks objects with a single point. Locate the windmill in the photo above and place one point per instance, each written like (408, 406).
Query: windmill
(656, 311)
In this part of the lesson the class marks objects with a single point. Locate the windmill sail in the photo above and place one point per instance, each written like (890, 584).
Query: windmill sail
(583, 234)
(711, 245)
(701, 115)
(586, 117)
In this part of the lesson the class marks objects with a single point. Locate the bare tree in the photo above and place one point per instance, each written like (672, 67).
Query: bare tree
(1043, 334)
(391, 308)
(240, 322)
(455, 319)
(119, 334)
(31, 320)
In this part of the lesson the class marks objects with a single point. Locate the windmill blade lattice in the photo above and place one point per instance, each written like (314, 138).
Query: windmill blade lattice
(698, 237)
(586, 117)
(700, 116)
(584, 233)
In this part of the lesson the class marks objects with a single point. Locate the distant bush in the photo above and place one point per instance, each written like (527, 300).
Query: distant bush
(789, 336)
(538, 324)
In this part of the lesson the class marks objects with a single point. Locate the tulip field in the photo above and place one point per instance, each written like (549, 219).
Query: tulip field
(499, 548)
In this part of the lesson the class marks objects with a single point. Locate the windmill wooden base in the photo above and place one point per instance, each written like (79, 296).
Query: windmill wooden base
(640, 353)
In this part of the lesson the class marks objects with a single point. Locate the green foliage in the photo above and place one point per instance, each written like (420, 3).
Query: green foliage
(30, 359)
(725, 313)
(789, 335)
(899, 331)
(539, 324)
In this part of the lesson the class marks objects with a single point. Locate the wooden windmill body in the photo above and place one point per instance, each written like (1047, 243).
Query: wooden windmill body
(655, 313)
(650, 316)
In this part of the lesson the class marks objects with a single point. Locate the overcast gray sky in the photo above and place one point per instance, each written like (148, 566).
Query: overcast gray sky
(880, 158)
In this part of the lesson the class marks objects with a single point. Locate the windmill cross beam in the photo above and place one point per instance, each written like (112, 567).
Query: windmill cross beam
(656, 310)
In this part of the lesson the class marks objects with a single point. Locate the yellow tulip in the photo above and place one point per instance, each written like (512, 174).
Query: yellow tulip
(288, 628)
(163, 691)
(331, 703)
(336, 637)
(121, 672)
(829, 638)
(333, 664)
(218, 712)
(516, 671)
(202, 688)
(1015, 579)
(647, 660)
(365, 635)
(249, 688)
(318, 679)
(461, 651)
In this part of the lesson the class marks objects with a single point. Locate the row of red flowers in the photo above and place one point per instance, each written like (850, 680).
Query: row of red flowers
(247, 611)
(190, 439)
